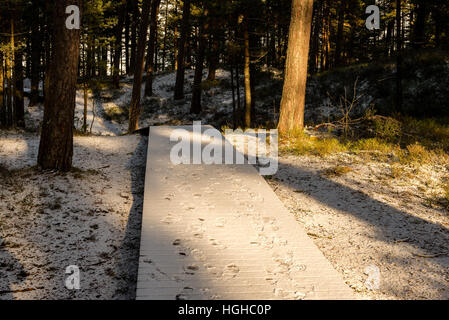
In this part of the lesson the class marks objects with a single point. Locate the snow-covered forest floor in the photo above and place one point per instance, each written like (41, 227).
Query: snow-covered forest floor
(360, 211)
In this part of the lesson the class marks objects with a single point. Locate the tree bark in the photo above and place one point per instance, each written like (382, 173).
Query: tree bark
(134, 109)
(398, 56)
(56, 144)
(118, 44)
(127, 30)
(36, 49)
(134, 23)
(152, 47)
(213, 58)
(19, 107)
(2, 96)
(293, 96)
(164, 45)
(9, 76)
(179, 86)
(196, 95)
(419, 34)
(247, 71)
(340, 34)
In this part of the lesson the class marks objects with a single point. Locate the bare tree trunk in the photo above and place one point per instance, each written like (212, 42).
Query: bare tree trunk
(213, 58)
(127, 29)
(237, 79)
(179, 86)
(196, 96)
(419, 27)
(86, 99)
(19, 108)
(9, 73)
(36, 49)
(164, 48)
(175, 36)
(151, 47)
(293, 95)
(2, 96)
(118, 45)
(134, 23)
(247, 70)
(134, 109)
(340, 34)
(56, 144)
(234, 118)
(398, 56)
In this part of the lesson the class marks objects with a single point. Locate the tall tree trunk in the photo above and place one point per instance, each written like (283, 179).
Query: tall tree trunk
(293, 96)
(388, 38)
(56, 144)
(398, 56)
(19, 108)
(9, 75)
(164, 45)
(340, 34)
(419, 26)
(247, 70)
(152, 47)
(2, 96)
(213, 58)
(237, 79)
(118, 44)
(127, 39)
(234, 116)
(175, 36)
(179, 86)
(134, 109)
(36, 49)
(315, 39)
(134, 30)
(196, 95)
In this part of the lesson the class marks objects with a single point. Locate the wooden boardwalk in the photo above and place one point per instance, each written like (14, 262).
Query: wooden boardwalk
(220, 232)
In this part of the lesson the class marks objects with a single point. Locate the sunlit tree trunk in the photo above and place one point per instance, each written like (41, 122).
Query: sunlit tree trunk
(247, 71)
(293, 95)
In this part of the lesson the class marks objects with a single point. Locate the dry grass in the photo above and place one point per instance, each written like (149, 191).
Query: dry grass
(337, 171)
(446, 192)
(408, 141)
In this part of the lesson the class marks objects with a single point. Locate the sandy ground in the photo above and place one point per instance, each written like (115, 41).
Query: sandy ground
(365, 219)
(361, 220)
(88, 218)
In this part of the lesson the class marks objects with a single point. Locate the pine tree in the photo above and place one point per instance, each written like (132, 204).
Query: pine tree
(56, 144)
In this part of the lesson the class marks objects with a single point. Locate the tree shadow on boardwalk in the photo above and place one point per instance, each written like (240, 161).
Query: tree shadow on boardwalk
(425, 238)
(129, 263)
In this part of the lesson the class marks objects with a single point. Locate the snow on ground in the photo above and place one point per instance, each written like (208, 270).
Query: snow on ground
(366, 219)
(91, 218)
